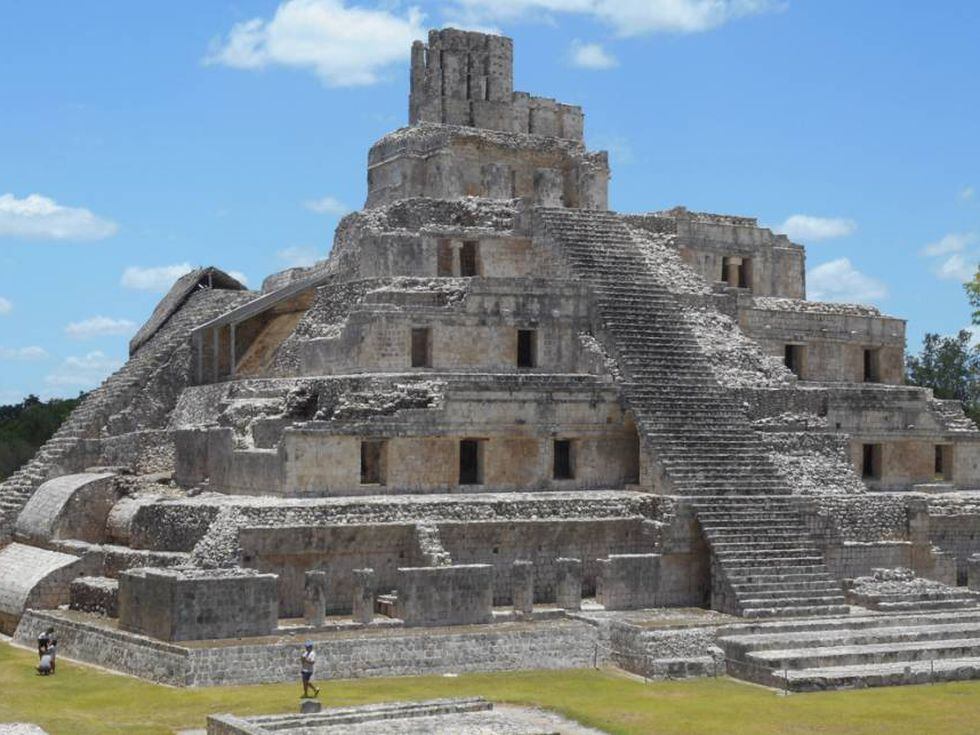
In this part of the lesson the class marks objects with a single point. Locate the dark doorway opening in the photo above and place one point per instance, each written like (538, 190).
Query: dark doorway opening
(471, 462)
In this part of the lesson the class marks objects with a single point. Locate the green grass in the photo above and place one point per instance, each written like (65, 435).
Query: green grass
(80, 701)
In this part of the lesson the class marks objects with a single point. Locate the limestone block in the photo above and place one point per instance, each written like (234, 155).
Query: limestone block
(364, 591)
(315, 597)
(190, 456)
(629, 581)
(569, 583)
(188, 603)
(522, 587)
(95, 594)
(456, 595)
(71, 506)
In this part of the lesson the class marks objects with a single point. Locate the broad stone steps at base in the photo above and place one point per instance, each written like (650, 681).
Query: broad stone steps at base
(877, 675)
(856, 651)
(870, 653)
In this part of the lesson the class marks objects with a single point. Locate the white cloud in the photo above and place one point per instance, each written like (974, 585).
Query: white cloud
(957, 267)
(957, 260)
(23, 354)
(812, 229)
(158, 278)
(100, 326)
(37, 217)
(627, 17)
(6, 306)
(298, 256)
(955, 242)
(838, 280)
(592, 56)
(83, 372)
(967, 193)
(344, 45)
(327, 205)
(239, 276)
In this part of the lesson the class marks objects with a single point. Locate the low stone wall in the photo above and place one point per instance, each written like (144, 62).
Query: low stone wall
(668, 653)
(629, 581)
(457, 595)
(196, 604)
(856, 558)
(556, 644)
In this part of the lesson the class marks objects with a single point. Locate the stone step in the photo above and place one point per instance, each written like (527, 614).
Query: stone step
(952, 603)
(872, 653)
(804, 611)
(876, 675)
(784, 589)
(788, 599)
(738, 646)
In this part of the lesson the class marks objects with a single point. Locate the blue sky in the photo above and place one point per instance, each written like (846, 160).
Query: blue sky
(138, 139)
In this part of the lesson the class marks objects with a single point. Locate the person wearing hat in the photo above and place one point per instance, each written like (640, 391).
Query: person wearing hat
(307, 663)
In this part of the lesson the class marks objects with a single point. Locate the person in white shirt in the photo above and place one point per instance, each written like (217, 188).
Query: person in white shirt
(307, 663)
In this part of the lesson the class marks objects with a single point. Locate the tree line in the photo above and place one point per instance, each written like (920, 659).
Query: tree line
(25, 426)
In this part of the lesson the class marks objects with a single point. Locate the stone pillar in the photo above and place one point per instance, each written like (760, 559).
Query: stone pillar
(569, 584)
(315, 597)
(522, 587)
(457, 248)
(363, 596)
(732, 276)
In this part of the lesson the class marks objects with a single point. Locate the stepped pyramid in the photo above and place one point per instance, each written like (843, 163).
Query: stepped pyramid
(494, 368)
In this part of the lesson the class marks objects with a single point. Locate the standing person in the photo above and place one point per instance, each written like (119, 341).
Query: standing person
(43, 641)
(307, 663)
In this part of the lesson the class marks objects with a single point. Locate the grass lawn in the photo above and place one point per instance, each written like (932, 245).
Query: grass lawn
(80, 700)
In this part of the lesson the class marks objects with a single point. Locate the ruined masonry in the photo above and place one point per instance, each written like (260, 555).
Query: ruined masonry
(504, 427)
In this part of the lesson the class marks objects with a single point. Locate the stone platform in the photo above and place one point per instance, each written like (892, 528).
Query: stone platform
(473, 716)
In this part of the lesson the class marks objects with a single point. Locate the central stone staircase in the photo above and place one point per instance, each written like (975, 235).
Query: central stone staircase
(699, 434)
(839, 653)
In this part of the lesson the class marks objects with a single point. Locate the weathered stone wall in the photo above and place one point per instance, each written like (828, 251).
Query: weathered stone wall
(289, 552)
(467, 78)
(562, 644)
(187, 604)
(543, 542)
(833, 337)
(448, 162)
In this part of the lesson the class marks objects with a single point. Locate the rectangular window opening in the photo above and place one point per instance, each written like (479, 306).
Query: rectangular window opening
(469, 260)
(871, 462)
(470, 462)
(872, 365)
(745, 273)
(564, 468)
(794, 359)
(422, 347)
(527, 347)
(724, 270)
(372, 462)
(944, 462)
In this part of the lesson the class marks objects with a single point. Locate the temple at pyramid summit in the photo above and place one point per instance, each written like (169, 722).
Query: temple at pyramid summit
(504, 427)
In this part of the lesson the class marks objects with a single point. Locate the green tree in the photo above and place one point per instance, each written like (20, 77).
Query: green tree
(951, 367)
(24, 427)
(973, 295)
